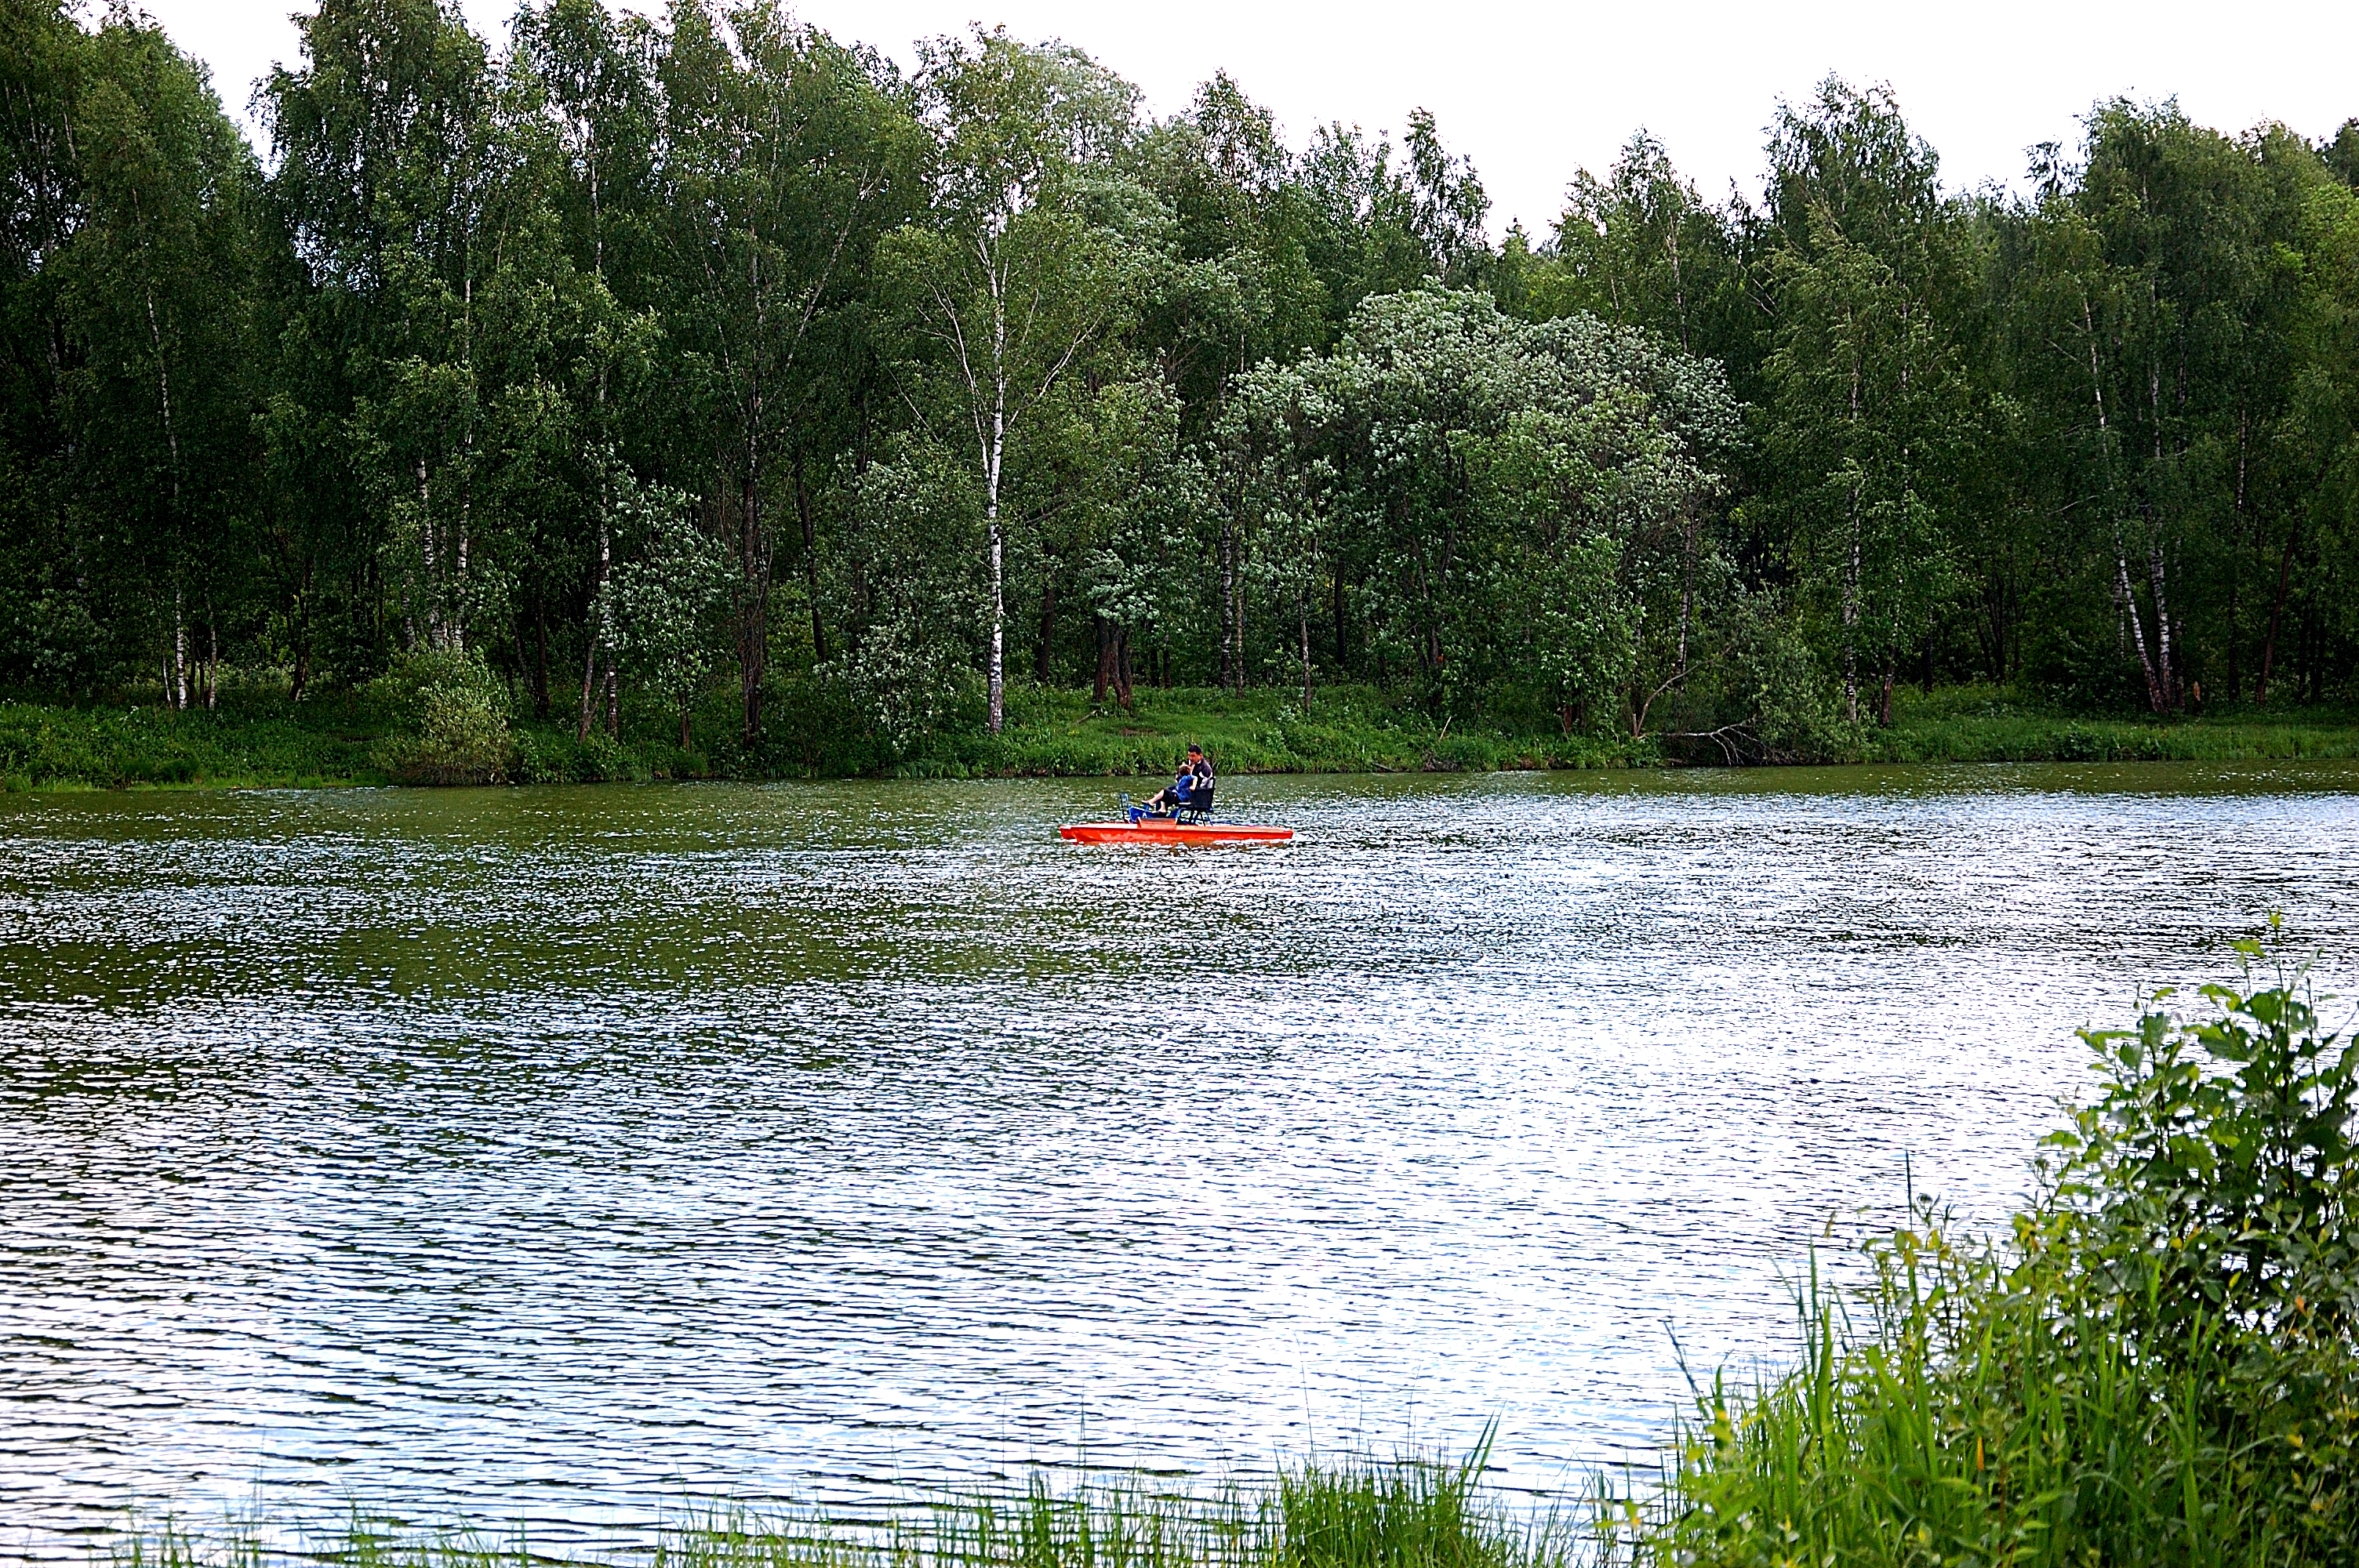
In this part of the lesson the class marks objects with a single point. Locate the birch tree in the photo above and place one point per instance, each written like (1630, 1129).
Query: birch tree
(1868, 416)
(1016, 275)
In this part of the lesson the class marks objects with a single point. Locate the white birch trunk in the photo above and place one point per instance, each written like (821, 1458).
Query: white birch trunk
(991, 501)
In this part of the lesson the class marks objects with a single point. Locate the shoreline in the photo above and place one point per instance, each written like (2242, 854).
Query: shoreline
(60, 749)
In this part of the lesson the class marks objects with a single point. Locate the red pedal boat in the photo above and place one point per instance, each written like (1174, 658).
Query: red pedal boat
(1163, 830)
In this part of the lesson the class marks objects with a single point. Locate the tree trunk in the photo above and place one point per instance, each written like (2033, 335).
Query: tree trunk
(302, 630)
(302, 660)
(1229, 639)
(431, 559)
(2277, 615)
(754, 624)
(1851, 566)
(2236, 569)
(172, 444)
(540, 658)
(1048, 629)
(1304, 606)
(1237, 611)
(2126, 603)
(1105, 660)
(998, 676)
(1342, 659)
(1687, 592)
(810, 560)
(594, 629)
(1851, 617)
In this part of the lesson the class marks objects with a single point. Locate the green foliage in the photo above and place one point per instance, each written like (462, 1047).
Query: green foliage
(2158, 1367)
(815, 731)
(520, 348)
(1775, 685)
(2210, 1203)
(453, 719)
(920, 526)
(660, 601)
(1523, 505)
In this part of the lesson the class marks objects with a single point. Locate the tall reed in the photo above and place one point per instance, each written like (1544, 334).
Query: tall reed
(1357, 1513)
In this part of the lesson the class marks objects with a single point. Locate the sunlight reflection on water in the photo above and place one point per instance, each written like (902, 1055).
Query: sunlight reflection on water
(558, 1154)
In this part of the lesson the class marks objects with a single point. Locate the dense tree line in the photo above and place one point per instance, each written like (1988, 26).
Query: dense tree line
(651, 356)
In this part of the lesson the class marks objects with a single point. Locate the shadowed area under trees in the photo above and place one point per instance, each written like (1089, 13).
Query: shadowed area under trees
(711, 379)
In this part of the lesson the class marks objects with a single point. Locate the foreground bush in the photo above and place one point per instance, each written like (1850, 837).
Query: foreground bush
(2155, 1368)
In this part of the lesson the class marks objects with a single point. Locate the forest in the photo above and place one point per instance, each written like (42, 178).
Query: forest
(713, 369)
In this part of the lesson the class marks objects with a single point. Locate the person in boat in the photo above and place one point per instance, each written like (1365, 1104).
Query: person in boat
(1192, 783)
(1176, 796)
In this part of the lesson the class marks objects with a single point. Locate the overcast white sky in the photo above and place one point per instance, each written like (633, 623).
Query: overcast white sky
(1533, 91)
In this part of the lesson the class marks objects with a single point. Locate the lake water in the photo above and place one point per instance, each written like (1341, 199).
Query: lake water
(557, 1155)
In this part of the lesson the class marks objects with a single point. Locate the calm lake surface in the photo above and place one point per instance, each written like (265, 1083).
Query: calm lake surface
(558, 1155)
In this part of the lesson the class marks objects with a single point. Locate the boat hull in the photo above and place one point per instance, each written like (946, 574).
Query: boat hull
(1152, 831)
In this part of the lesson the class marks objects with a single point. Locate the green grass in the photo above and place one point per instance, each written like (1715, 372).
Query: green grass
(259, 739)
(1988, 724)
(1358, 1514)
(147, 745)
(1961, 1416)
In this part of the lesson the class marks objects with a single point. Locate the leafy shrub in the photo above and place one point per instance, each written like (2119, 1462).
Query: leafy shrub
(2158, 1366)
(545, 756)
(2209, 1201)
(453, 721)
(1780, 692)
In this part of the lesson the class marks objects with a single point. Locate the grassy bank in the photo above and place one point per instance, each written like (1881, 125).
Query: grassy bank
(259, 739)
(1989, 724)
(136, 746)
(1358, 1515)
(255, 740)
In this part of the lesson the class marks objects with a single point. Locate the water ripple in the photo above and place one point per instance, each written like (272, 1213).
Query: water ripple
(554, 1154)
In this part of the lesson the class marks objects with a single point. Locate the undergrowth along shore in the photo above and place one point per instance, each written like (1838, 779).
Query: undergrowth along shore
(2156, 1366)
(258, 738)
(1358, 1514)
